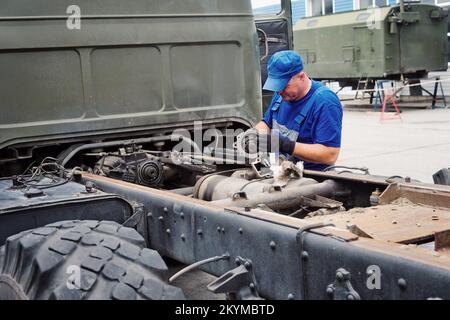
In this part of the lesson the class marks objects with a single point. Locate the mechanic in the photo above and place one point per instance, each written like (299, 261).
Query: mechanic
(306, 114)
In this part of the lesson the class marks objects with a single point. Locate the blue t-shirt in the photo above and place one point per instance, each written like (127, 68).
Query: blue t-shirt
(316, 119)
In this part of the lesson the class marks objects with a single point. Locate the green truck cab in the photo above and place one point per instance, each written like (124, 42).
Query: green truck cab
(132, 69)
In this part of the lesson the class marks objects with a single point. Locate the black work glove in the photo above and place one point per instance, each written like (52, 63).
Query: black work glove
(277, 142)
(251, 141)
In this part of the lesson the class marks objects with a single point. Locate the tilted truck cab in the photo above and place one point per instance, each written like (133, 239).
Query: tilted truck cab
(132, 68)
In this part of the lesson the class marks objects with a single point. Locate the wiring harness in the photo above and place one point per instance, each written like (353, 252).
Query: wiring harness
(49, 173)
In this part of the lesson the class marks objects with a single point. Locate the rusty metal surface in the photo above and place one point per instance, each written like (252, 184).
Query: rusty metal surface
(433, 195)
(400, 222)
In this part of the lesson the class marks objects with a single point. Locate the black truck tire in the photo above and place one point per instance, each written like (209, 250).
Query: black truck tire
(73, 260)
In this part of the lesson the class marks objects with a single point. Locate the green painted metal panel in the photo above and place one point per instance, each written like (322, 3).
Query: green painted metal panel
(134, 65)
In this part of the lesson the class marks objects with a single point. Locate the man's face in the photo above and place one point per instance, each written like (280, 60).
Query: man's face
(294, 89)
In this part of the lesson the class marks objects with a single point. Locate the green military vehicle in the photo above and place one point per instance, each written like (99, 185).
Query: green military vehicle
(96, 193)
(375, 43)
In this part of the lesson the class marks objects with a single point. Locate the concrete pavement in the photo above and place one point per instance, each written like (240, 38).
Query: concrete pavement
(417, 147)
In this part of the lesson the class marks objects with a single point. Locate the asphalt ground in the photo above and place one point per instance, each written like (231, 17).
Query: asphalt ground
(417, 146)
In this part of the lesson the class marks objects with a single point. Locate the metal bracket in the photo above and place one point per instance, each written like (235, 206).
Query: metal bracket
(342, 289)
(310, 227)
(304, 254)
(261, 168)
(137, 216)
(239, 283)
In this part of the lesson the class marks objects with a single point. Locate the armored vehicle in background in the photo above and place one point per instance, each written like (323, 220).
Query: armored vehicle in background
(94, 191)
(377, 43)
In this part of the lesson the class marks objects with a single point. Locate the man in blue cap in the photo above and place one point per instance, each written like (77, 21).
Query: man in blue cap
(305, 115)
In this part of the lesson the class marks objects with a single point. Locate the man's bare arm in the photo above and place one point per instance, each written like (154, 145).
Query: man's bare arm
(316, 153)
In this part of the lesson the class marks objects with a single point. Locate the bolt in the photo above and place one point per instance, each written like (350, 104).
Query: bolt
(150, 215)
(394, 222)
(408, 179)
(418, 224)
(247, 265)
(290, 296)
(182, 215)
(237, 261)
(435, 218)
(161, 218)
(199, 232)
(350, 297)
(305, 255)
(89, 186)
(241, 231)
(218, 229)
(223, 230)
(402, 283)
(252, 286)
(168, 231)
(165, 210)
(183, 237)
(16, 182)
(339, 276)
(272, 245)
(247, 209)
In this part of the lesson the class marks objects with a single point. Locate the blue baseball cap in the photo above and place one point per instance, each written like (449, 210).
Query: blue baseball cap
(282, 66)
